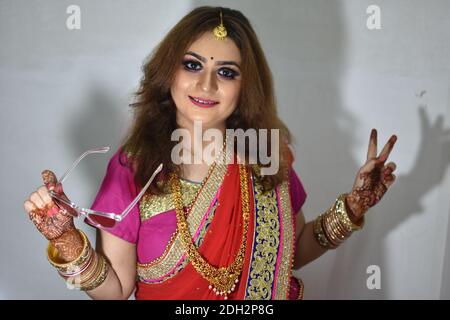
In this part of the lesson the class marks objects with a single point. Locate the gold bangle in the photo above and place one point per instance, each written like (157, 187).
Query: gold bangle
(65, 267)
(99, 275)
(92, 277)
(334, 226)
(330, 230)
(341, 210)
(95, 267)
(90, 273)
(342, 229)
(341, 232)
(319, 233)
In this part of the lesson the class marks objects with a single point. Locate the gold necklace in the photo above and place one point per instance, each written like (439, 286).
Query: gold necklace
(208, 175)
(222, 280)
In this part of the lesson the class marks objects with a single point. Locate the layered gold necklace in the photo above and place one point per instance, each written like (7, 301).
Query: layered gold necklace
(222, 280)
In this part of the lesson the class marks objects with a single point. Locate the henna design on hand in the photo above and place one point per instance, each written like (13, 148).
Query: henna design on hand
(54, 218)
(373, 179)
(69, 245)
(52, 225)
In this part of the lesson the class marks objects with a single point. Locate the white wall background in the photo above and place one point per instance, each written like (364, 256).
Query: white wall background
(63, 91)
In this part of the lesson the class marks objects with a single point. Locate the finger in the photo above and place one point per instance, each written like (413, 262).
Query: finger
(388, 181)
(372, 151)
(384, 154)
(389, 168)
(51, 209)
(49, 179)
(29, 206)
(37, 200)
(370, 165)
(45, 196)
(34, 213)
(392, 166)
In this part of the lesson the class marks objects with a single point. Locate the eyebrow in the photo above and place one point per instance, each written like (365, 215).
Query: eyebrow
(219, 63)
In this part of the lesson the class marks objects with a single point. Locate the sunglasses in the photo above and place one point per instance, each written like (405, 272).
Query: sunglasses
(97, 218)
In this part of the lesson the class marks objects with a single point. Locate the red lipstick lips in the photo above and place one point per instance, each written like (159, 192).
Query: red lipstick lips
(204, 103)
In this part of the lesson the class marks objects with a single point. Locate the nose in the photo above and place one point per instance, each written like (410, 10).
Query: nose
(208, 82)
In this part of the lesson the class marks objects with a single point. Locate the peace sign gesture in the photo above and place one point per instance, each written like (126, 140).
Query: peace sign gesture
(373, 179)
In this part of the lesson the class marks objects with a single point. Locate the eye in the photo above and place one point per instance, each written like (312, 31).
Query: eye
(228, 73)
(191, 65)
(194, 66)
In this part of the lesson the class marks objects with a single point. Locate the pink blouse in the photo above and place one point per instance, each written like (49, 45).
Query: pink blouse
(151, 236)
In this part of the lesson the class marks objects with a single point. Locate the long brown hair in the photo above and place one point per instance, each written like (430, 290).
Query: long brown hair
(148, 141)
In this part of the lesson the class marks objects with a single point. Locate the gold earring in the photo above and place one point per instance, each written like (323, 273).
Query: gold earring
(220, 33)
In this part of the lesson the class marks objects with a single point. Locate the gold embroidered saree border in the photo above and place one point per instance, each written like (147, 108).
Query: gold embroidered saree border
(265, 245)
(174, 253)
(287, 252)
(277, 216)
(143, 275)
(152, 205)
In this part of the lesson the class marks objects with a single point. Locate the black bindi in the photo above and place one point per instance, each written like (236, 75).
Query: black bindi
(212, 58)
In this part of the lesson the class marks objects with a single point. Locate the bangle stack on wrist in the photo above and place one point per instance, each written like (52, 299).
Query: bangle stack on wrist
(88, 271)
(333, 227)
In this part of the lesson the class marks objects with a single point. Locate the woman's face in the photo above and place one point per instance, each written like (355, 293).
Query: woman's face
(207, 83)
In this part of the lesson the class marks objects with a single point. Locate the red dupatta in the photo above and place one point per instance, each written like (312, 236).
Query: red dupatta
(267, 265)
(223, 237)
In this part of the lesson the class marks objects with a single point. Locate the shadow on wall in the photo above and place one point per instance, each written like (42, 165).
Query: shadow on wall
(308, 62)
(305, 43)
(401, 202)
(99, 122)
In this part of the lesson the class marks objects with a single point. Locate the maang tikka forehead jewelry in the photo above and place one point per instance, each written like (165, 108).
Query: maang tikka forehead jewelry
(220, 33)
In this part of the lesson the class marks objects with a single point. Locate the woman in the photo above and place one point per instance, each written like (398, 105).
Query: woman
(204, 231)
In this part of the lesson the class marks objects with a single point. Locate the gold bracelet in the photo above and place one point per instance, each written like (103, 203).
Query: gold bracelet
(338, 228)
(334, 226)
(77, 263)
(99, 275)
(89, 270)
(341, 210)
(330, 231)
(90, 273)
(92, 277)
(319, 233)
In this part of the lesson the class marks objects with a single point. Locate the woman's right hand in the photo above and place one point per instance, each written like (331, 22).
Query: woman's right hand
(55, 222)
(50, 219)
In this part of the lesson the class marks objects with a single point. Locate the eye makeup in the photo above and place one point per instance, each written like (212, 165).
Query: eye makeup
(194, 66)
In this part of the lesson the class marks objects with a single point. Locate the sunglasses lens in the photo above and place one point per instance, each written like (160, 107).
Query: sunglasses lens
(102, 221)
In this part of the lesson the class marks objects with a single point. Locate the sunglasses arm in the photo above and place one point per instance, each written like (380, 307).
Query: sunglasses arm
(113, 216)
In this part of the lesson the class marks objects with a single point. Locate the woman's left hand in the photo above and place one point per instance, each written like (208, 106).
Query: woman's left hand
(373, 179)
